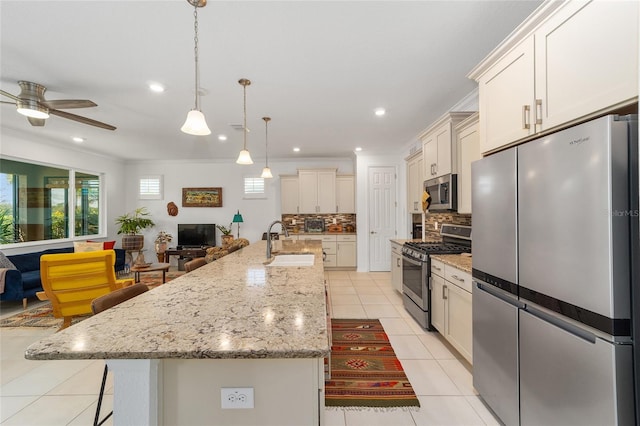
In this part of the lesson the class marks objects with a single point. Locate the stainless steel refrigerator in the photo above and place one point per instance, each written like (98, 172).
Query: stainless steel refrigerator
(555, 268)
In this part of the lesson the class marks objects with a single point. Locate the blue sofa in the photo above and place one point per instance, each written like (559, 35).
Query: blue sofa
(24, 282)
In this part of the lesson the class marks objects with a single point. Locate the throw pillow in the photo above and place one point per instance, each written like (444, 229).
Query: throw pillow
(84, 246)
(106, 245)
(5, 262)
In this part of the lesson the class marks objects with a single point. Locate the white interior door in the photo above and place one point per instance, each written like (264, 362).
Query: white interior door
(382, 216)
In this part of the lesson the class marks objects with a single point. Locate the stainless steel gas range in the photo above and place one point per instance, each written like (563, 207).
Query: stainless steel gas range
(416, 269)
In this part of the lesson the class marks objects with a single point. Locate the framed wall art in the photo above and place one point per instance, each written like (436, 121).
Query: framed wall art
(201, 197)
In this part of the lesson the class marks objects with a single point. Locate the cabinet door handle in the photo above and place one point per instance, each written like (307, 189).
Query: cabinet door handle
(436, 268)
(537, 116)
(455, 277)
(525, 117)
(398, 262)
(444, 295)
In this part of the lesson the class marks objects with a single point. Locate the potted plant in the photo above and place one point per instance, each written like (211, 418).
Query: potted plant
(226, 237)
(130, 225)
(162, 241)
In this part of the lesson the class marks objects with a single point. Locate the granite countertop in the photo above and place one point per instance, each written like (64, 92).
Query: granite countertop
(459, 261)
(235, 307)
(322, 233)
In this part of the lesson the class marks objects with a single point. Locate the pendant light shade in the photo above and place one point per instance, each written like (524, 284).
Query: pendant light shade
(195, 124)
(266, 172)
(244, 157)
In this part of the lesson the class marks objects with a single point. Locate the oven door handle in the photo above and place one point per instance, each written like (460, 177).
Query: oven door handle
(411, 261)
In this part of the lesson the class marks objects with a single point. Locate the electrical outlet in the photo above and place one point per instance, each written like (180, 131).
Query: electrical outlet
(235, 398)
(435, 226)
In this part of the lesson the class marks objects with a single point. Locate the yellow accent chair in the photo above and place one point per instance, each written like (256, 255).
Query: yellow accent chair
(71, 281)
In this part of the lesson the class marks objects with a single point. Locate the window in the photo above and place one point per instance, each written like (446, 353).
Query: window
(39, 202)
(254, 187)
(150, 188)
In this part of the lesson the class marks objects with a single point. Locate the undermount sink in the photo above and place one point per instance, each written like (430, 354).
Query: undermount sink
(293, 260)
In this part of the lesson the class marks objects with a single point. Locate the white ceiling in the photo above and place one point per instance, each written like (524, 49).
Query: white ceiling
(318, 68)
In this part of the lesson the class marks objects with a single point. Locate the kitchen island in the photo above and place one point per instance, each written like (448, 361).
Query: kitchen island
(232, 323)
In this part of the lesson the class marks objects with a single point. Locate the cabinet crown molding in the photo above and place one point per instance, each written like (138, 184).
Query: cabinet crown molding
(451, 116)
(526, 28)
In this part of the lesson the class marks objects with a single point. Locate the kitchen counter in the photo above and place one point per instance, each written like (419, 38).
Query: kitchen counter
(456, 260)
(320, 233)
(235, 307)
(233, 322)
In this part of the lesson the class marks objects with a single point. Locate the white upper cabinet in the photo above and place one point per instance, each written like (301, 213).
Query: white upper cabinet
(586, 59)
(439, 151)
(468, 151)
(346, 194)
(289, 194)
(505, 96)
(317, 190)
(568, 62)
(415, 179)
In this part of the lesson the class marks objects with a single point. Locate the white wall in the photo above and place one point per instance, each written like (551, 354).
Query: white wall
(257, 213)
(72, 156)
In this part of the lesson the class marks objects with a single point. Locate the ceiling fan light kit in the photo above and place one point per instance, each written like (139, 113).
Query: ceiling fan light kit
(195, 124)
(32, 104)
(244, 158)
(31, 108)
(266, 171)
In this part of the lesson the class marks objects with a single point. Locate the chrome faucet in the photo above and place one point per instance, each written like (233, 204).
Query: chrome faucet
(286, 234)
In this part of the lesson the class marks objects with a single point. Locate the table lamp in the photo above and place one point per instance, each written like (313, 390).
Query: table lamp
(237, 218)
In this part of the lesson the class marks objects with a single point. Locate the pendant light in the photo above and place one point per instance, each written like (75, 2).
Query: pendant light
(195, 124)
(266, 172)
(244, 157)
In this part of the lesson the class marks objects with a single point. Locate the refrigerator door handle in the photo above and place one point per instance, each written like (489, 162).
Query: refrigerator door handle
(561, 324)
(495, 293)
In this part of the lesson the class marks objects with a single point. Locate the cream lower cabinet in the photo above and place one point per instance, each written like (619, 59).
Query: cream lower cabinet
(568, 62)
(346, 253)
(339, 250)
(396, 266)
(451, 309)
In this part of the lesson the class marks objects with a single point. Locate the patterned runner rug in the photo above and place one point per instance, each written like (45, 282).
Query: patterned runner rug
(42, 316)
(365, 371)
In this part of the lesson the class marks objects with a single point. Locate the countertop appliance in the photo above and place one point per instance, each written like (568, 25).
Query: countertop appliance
(443, 191)
(416, 269)
(314, 225)
(555, 259)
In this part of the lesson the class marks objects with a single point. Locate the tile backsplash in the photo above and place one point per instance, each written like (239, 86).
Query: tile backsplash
(432, 234)
(340, 218)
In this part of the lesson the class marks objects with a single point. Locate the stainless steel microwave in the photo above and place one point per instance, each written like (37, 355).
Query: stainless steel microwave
(443, 191)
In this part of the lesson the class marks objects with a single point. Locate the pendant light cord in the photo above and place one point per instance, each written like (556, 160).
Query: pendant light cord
(195, 51)
(244, 87)
(266, 142)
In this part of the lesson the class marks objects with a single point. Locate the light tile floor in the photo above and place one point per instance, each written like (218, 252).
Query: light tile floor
(37, 393)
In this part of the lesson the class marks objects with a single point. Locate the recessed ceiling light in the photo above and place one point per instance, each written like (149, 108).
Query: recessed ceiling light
(358, 148)
(296, 149)
(156, 87)
(78, 139)
(222, 137)
(380, 112)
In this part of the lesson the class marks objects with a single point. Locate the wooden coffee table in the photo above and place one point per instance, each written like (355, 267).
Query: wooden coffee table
(164, 267)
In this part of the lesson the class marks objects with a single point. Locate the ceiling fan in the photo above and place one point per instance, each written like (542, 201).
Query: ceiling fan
(32, 104)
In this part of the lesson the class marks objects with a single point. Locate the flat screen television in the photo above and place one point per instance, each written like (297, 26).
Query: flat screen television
(196, 234)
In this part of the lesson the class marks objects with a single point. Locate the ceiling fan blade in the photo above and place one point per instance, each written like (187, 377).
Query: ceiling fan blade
(69, 103)
(9, 95)
(80, 119)
(36, 121)
(9, 103)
